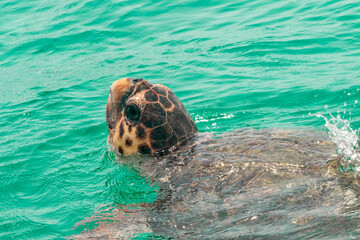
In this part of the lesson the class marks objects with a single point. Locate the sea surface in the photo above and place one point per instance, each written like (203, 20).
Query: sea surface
(234, 64)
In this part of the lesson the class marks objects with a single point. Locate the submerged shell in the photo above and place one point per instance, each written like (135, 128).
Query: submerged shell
(250, 183)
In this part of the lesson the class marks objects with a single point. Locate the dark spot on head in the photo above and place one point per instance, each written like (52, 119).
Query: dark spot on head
(120, 150)
(161, 133)
(160, 90)
(121, 129)
(140, 132)
(144, 149)
(130, 128)
(165, 102)
(150, 96)
(173, 98)
(128, 142)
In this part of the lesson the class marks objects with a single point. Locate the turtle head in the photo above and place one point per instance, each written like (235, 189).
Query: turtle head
(146, 118)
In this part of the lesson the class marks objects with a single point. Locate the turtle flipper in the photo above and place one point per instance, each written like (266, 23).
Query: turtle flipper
(123, 222)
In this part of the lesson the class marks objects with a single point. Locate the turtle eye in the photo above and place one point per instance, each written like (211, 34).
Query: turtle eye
(132, 113)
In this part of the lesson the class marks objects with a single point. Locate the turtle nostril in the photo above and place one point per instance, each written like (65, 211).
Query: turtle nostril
(136, 80)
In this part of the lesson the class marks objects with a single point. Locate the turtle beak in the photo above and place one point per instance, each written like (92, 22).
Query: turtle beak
(119, 92)
(120, 87)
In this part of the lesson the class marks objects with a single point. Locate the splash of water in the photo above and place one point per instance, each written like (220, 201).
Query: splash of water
(346, 140)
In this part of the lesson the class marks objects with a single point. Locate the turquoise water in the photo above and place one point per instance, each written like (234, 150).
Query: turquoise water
(260, 64)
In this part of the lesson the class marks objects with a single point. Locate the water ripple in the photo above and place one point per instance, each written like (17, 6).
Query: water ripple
(233, 64)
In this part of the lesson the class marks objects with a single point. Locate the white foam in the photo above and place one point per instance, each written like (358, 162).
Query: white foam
(346, 140)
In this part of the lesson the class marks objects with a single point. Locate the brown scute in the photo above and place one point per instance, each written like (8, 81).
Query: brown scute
(160, 90)
(128, 142)
(165, 102)
(176, 114)
(141, 87)
(174, 99)
(120, 150)
(161, 133)
(178, 128)
(140, 133)
(150, 96)
(155, 108)
(144, 149)
(175, 119)
(121, 129)
(151, 120)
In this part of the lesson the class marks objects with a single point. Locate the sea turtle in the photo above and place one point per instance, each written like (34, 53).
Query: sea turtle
(248, 184)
